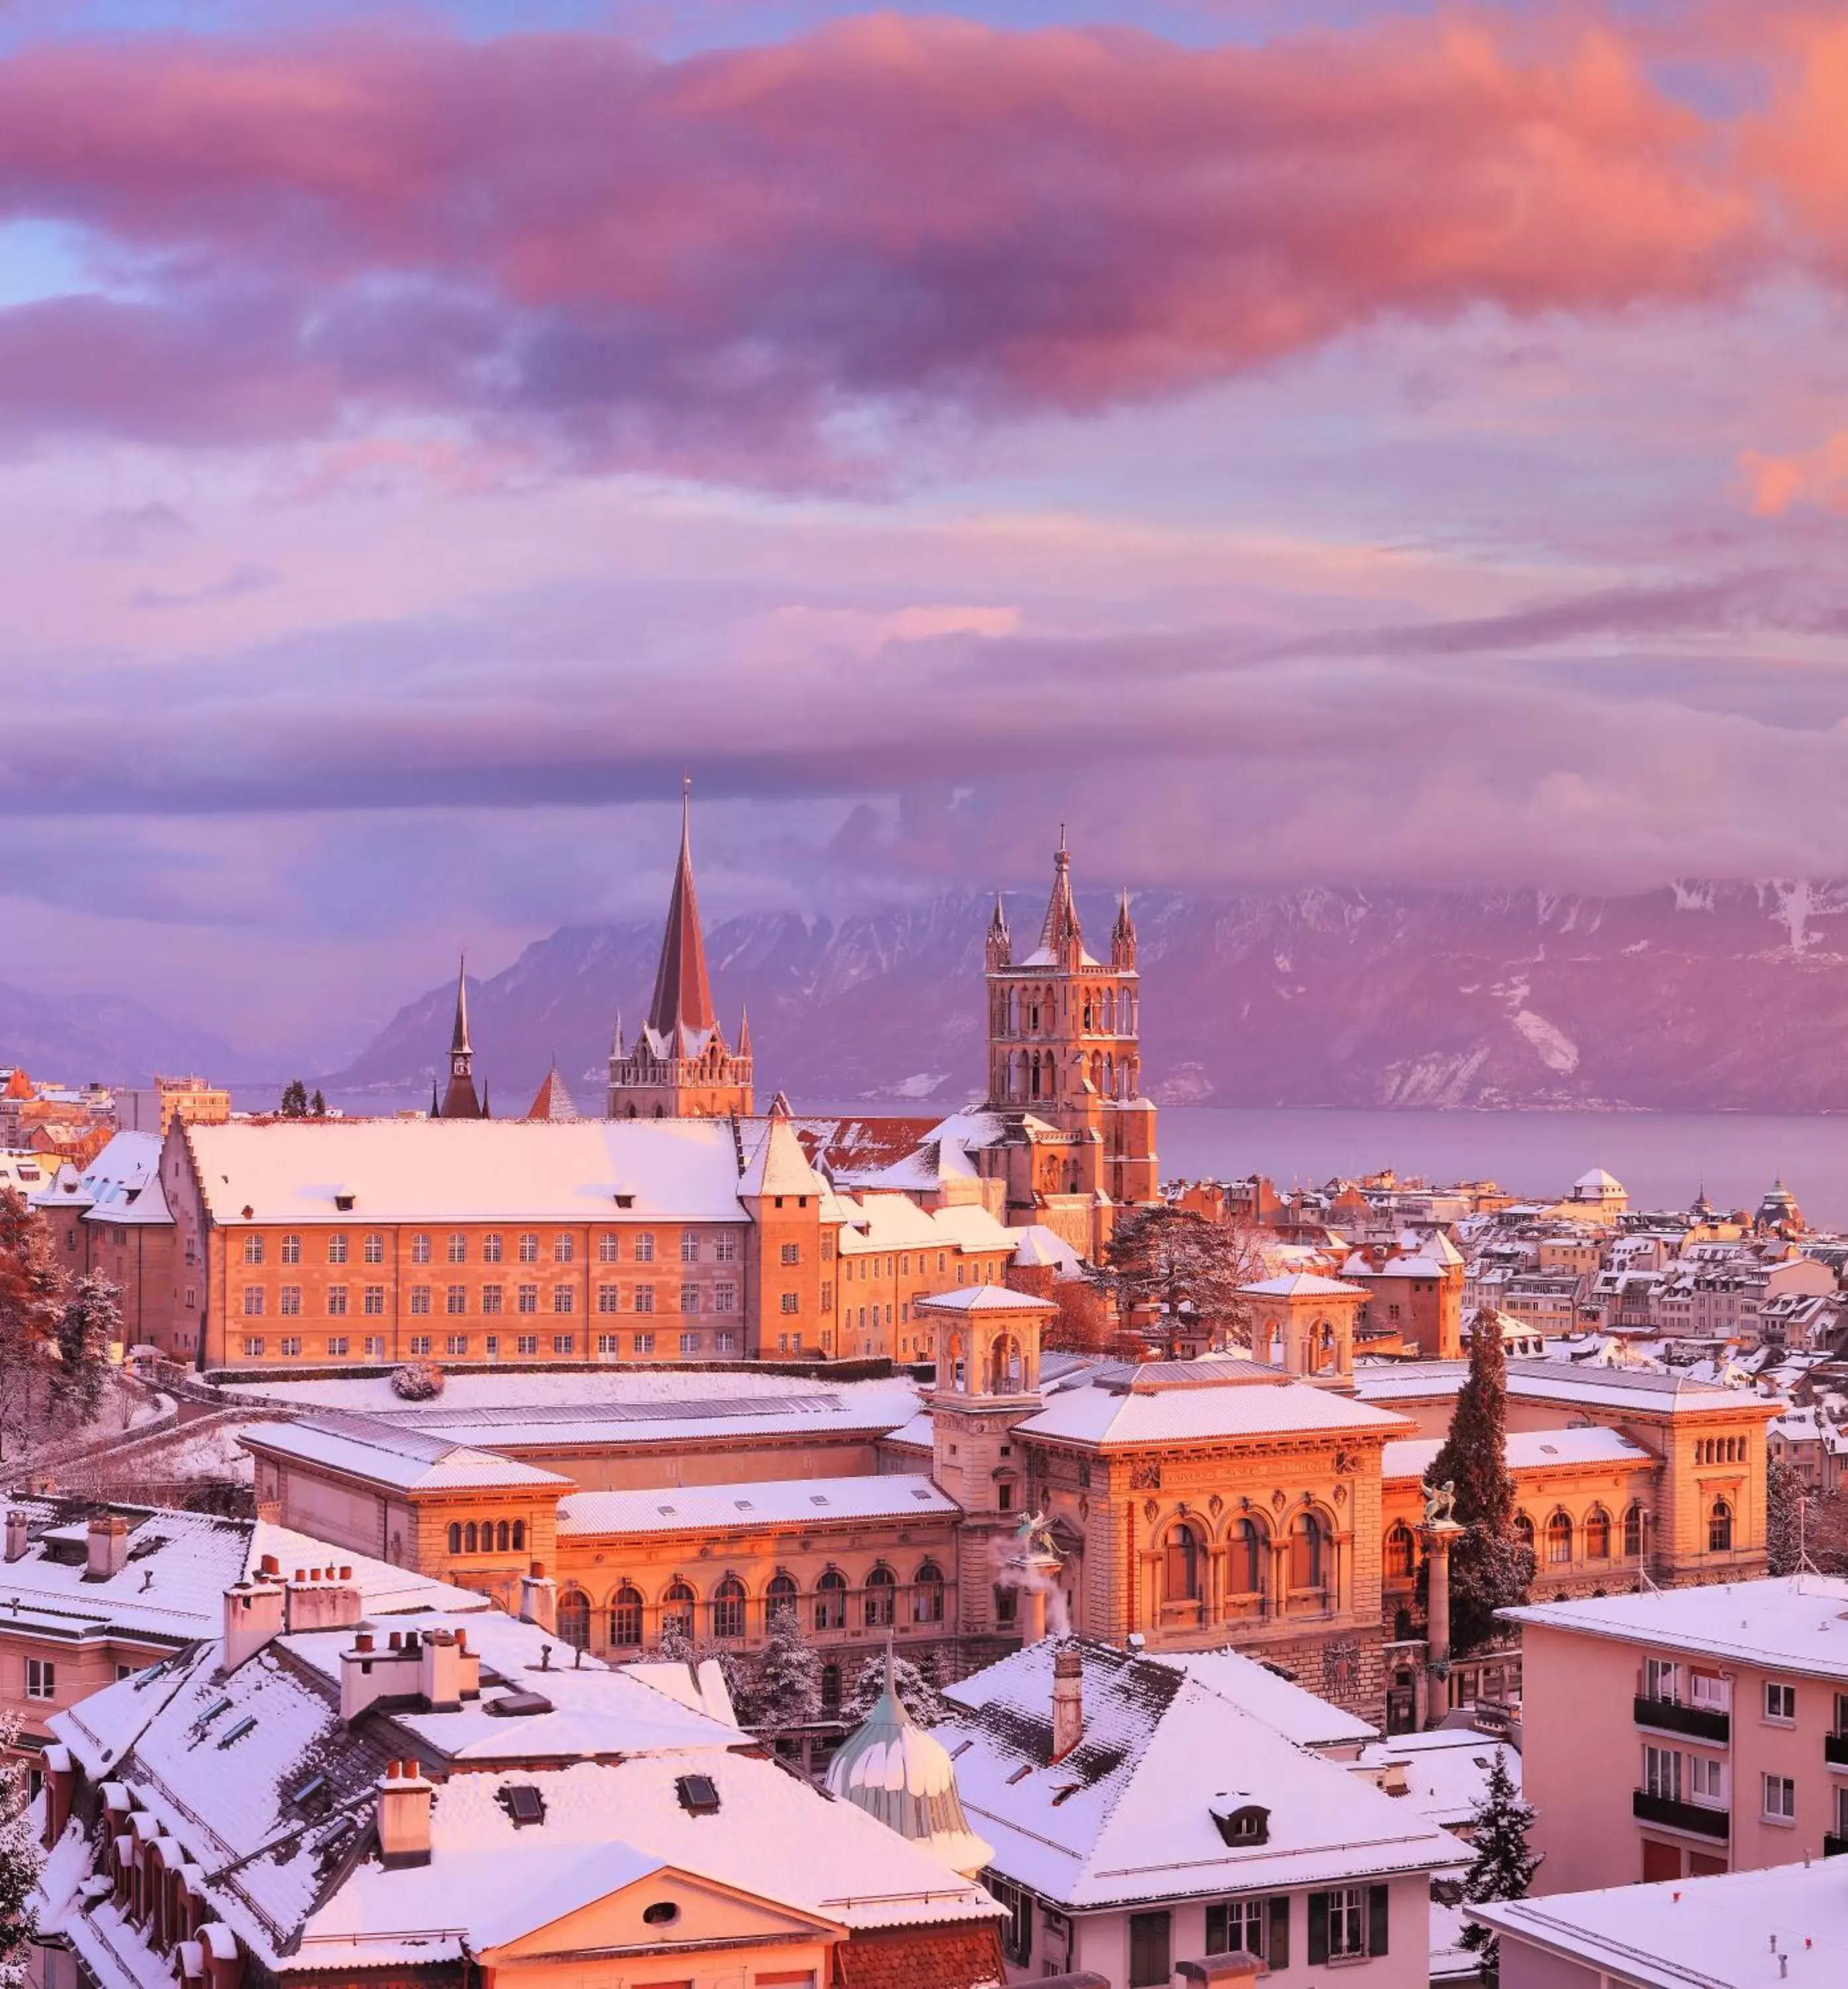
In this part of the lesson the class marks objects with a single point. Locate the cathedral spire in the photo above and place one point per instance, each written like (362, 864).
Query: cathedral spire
(683, 995)
(744, 1032)
(1122, 936)
(999, 947)
(1060, 931)
(460, 1100)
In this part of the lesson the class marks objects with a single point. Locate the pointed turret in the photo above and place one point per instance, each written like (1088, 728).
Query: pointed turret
(460, 1100)
(1000, 940)
(1122, 936)
(682, 1007)
(554, 1102)
(744, 1032)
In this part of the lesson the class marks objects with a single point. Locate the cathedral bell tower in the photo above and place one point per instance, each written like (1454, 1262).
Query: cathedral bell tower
(1063, 1042)
(680, 1065)
(460, 1100)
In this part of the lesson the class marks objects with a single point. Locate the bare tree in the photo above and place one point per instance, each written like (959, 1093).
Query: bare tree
(1167, 1266)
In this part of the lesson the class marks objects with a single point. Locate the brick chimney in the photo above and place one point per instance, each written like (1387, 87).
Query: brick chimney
(405, 1797)
(108, 1543)
(253, 1614)
(1067, 1701)
(440, 1670)
(18, 1534)
(321, 1598)
(538, 1598)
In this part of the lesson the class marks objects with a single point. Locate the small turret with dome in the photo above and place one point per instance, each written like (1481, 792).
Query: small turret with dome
(1777, 1214)
(890, 1767)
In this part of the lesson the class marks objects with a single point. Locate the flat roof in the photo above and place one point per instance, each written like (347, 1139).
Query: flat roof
(1791, 1622)
(781, 1502)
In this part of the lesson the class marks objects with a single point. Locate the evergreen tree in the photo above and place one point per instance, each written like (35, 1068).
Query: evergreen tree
(20, 1859)
(317, 1106)
(294, 1099)
(917, 1693)
(1492, 1567)
(1784, 1528)
(675, 1647)
(1504, 1867)
(91, 1319)
(786, 1688)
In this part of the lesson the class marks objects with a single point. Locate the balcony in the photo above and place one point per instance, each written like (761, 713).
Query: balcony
(1690, 1817)
(1835, 1750)
(1698, 1722)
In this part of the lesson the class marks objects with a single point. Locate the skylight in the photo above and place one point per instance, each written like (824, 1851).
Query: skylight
(699, 1794)
(524, 1803)
(245, 1726)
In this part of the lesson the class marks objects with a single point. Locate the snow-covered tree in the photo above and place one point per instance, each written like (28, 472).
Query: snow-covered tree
(675, 1646)
(917, 1693)
(91, 1319)
(417, 1382)
(1783, 1516)
(1492, 1567)
(20, 1859)
(1504, 1867)
(786, 1685)
(1175, 1263)
(32, 1305)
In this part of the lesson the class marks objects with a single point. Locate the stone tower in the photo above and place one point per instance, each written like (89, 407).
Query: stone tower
(681, 1066)
(1063, 1045)
(459, 1099)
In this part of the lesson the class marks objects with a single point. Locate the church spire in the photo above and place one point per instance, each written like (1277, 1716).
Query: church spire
(744, 1032)
(683, 995)
(1122, 936)
(460, 1100)
(459, 1044)
(1000, 947)
(1060, 934)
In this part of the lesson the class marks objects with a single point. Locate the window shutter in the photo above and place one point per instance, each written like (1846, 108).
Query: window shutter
(1377, 1919)
(1279, 1956)
(1318, 1928)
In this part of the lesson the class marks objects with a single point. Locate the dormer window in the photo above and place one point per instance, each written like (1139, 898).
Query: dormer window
(1242, 1824)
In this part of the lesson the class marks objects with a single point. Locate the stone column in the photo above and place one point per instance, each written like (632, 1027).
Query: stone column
(1437, 1535)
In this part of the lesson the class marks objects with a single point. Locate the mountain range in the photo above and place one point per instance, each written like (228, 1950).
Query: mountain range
(1698, 996)
(80, 1039)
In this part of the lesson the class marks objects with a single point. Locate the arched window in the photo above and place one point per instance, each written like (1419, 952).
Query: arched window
(1559, 1540)
(830, 1601)
(503, 1536)
(470, 1538)
(574, 1618)
(1633, 1531)
(1004, 1365)
(625, 1619)
(1597, 1534)
(1401, 1552)
(677, 1608)
(520, 1536)
(1308, 1552)
(1183, 1564)
(881, 1594)
(927, 1595)
(727, 1608)
(781, 1594)
(487, 1536)
(1247, 1568)
(1719, 1528)
(456, 1536)
(1524, 1528)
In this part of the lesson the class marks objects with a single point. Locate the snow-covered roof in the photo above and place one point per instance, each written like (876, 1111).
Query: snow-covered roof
(483, 1170)
(736, 1508)
(1178, 1401)
(1595, 1181)
(1128, 1815)
(1695, 1933)
(368, 1448)
(774, 1162)
(968, 1299)
(1446, 1771)
(1793, 1622)
(121, 1185)
(1304, 1285)
(1303, 1717)
(1526, 1450)
(1650, 1391)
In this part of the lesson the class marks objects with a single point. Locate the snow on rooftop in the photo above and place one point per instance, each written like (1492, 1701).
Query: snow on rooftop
(1795, 1622)
(1304, 1285)
(732, 1508)
(122, 1185)
(1182, 1401)
(1446, 1771)
(368, 1447)
(1126, 1816)
(1697, 1933)
(1526, 1450)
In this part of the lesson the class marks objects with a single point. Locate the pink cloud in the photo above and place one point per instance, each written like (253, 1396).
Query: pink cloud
(699, 264)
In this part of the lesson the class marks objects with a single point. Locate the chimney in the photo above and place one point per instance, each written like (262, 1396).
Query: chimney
(325, 1600)
(404, 1816)
(108, 1547)
(253, 1614)
(440, 1671)
(538, 1598)
(1067, 1701)
(17, 1534)
(60, 1791)
(368, 1674)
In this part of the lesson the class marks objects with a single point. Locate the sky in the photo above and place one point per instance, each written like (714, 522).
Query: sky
(1329, 442)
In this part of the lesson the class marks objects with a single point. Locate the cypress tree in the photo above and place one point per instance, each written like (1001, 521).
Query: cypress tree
(1492, 1567)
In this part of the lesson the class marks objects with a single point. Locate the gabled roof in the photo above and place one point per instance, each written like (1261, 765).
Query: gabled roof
(975, 1299)
(1127, 1816)
(368, 1447)
(1304, 1285)
(121, 1185)
(772, 1161)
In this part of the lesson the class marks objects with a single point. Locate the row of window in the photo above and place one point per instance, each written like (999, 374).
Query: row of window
(1249, 1556)
(461, 1346)
(1344, 1923)
(1563, 1542)
(564, 1246)
(1701, 1780)
(420, 1300)
(487, 1536)
(876, 1604)
(1719, 1450)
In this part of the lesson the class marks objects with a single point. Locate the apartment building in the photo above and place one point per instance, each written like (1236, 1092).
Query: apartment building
(1677, 1733)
